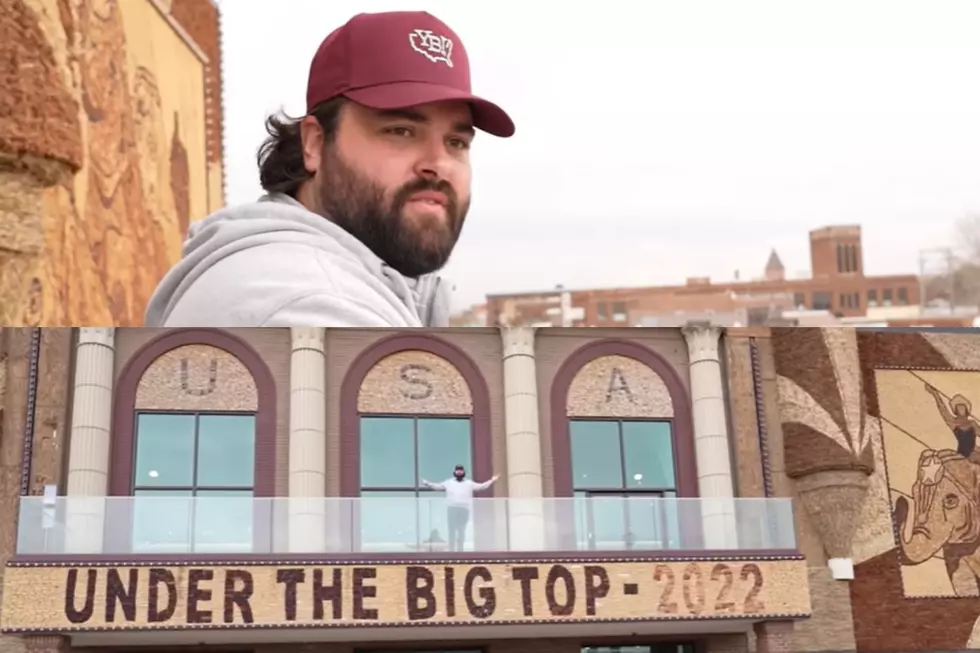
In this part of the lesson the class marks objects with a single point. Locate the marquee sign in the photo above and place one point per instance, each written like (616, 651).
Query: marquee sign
(95, 598)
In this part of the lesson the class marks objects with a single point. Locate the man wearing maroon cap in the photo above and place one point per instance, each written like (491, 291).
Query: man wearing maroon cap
(366, 195)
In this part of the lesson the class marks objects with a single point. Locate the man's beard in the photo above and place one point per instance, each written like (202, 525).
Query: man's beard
(358, 206)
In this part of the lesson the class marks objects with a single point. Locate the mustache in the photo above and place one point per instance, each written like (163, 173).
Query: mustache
(436, 185)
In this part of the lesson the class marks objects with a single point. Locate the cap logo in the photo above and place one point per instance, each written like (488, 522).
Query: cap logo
(432, 46)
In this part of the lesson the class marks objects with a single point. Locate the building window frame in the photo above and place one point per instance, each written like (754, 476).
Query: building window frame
(350, 416)
(124, 422)
(817, 304)
(194, 489)
(664, 515)
(682, 426)
(194, 486)
(421, 495)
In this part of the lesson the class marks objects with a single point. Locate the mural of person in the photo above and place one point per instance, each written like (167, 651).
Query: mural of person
(958, 415)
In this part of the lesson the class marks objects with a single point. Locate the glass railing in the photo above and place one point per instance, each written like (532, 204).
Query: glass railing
(223, 525)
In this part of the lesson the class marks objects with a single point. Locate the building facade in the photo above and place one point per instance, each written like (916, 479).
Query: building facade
(687, 489)
(837, 285)
(111, 143)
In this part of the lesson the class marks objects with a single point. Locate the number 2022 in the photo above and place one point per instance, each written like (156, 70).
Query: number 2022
(693, 588)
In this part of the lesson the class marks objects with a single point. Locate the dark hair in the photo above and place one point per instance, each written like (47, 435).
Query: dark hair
(280, 157)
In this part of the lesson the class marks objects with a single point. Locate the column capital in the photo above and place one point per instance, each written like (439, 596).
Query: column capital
(308, 338)
(518, 341)
(96, 336)
(702, 340)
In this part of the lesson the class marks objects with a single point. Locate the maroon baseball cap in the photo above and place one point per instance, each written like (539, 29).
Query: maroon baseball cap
(397, 60)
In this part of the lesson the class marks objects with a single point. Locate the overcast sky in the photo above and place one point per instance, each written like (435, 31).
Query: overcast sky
(661, 140)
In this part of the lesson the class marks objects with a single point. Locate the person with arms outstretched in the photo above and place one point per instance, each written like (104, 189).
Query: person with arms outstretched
(459, 501)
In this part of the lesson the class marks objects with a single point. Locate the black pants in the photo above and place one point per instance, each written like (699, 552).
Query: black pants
(458, 518)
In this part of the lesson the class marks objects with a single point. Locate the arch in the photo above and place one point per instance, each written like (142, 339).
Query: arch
(682, 432)
(350, 449)
(124, 404)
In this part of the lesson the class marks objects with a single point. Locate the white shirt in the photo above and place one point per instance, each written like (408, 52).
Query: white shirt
(459, 493)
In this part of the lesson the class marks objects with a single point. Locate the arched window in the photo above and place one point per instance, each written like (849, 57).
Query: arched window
(412, 408)
(194, 444)
(622, 443)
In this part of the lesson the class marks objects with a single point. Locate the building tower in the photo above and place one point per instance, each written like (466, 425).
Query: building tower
(836, 252)
(775, 270)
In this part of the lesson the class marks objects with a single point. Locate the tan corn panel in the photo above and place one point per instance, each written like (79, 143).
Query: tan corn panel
(617, 386)
(414, 383)
(57, 599)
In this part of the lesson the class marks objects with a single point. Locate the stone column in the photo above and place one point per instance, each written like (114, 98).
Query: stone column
(307, 442)
(90, 442)
(711, 437)
(526, 507)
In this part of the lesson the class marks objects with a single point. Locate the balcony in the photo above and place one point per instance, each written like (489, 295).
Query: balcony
(171, 527)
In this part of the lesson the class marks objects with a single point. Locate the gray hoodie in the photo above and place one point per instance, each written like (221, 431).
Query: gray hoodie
(275, 263)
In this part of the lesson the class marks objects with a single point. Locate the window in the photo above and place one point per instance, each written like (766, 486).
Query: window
(903, 296)
(821, 301)
(194, 478)
(621, 472)
(886, 296)
(601, 312)
(619, 312)
(845, 300)
(799, 300)
(397, 513)
(872, 297)
(847, 258)
(852, 258)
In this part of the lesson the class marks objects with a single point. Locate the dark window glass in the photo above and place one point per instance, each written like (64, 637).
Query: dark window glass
(648, 451)
(388, 452)
(903, 296)
(226, 451)
(624, 479)
(443, 444)
(597, 459)
(821, 301)
(397, 513)
(165, 450)
(872, 296)
(194, 481)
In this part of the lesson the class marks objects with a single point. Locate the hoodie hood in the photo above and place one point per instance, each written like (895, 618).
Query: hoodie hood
(276, 219)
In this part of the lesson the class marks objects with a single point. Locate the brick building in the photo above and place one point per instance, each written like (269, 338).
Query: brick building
(659, 489)
(837, 284)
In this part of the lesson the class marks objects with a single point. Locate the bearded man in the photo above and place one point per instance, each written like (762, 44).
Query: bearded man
(366, 195)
